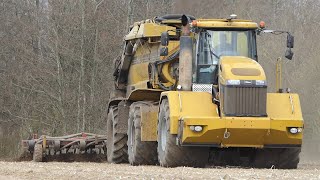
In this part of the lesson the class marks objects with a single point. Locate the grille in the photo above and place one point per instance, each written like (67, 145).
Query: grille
(245, 101)
(202, 88)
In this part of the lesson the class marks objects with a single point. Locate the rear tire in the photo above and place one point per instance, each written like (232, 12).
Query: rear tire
(117, 150)
(172, 155)
(37, 153)
(139, 152)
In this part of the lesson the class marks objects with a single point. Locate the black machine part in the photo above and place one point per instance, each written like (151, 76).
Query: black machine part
(172, 16)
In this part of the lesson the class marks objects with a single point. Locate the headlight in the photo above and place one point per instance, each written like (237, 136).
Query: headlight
(295, 130)
(196, 128)
(260, 82)
(233, 82)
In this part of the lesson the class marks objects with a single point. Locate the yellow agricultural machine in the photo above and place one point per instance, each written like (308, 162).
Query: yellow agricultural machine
(191, 91)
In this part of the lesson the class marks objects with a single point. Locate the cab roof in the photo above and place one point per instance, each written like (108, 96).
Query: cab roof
(217, 23)
(225, 23)
(153, 28)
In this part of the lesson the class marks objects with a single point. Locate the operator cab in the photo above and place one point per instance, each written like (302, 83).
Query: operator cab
(211, 44)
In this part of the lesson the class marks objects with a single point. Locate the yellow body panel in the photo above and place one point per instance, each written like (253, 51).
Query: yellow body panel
(197, 109)
(240, 68)
(138, 73)
(288, 108)
(155, 30)
(150, 29)
(189, 104)
(149, 120)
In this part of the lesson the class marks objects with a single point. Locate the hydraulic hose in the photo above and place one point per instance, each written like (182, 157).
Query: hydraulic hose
(159, 70)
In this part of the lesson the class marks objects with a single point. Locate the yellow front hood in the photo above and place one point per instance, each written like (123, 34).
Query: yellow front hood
(240, 68)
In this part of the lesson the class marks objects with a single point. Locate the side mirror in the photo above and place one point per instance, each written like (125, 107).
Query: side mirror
(164, 51)
(164, 38)
(289, 54)
(290, 41)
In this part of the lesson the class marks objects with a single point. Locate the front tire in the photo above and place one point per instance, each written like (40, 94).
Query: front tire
(172, 155)
(139, 152)
(281, 158)
(289, 158)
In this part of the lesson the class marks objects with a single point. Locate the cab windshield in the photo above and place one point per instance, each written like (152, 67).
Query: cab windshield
(211, 45)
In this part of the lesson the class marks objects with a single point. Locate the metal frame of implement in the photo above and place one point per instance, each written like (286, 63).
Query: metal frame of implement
(80, 143)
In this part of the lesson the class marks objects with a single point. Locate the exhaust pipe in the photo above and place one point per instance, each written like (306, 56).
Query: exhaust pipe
(185, 56)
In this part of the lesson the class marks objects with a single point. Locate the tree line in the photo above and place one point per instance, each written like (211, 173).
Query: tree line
(56, 63)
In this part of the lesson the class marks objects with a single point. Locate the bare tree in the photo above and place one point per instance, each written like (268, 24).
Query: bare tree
(56, 63)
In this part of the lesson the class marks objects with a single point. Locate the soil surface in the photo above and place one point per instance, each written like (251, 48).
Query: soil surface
(91, 170)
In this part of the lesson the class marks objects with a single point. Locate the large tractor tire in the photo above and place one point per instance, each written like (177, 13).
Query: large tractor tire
(117, 150)
(224, 157)
(289, 158)
(281, 158)
(139, 152)
(38, 153)
(243, 157)
(172, 155)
